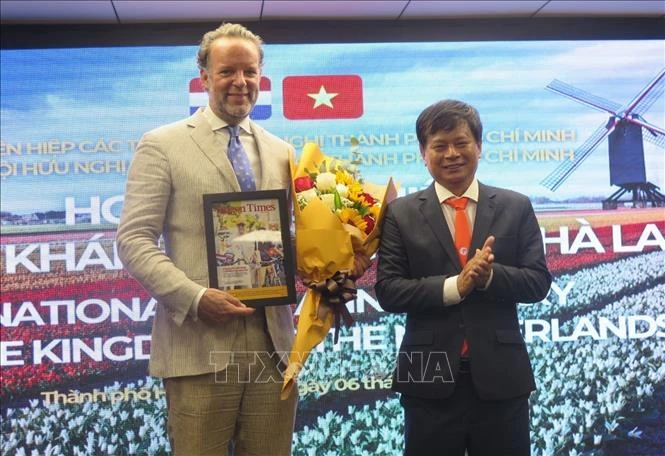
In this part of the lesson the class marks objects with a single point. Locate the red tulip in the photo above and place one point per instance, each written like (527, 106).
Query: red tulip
(370, 223)
(369, 199)
(303, 183)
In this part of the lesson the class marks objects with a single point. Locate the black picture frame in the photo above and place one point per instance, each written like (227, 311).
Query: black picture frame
(248, 245)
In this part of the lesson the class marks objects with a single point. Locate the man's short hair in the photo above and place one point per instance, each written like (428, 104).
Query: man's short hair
(226, 31)
(446, 115)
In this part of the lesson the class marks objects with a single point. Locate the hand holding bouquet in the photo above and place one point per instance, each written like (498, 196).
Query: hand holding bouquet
(337, 217)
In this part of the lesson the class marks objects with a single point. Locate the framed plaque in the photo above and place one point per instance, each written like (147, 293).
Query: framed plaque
(249, 246)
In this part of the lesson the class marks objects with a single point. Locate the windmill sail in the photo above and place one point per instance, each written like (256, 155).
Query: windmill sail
(631, 113)
(648, 96)
(565, 169)
(584, 97)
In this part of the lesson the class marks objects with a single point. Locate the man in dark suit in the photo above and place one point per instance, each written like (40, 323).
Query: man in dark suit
(463, 370)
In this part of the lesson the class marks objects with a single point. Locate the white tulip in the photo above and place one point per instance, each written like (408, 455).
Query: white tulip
(306, 196)
(326, 182)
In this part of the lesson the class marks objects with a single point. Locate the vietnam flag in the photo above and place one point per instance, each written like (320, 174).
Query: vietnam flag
(323, 97)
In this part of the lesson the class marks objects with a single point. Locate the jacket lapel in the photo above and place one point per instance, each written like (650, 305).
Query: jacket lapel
(433, 216)
(265, 157)
(484, 216)
(211, 147)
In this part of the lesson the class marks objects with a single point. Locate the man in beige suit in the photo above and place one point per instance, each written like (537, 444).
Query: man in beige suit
(215, 354)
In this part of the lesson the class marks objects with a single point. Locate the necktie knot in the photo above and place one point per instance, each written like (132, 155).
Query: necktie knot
(234, 131)
(457, 203)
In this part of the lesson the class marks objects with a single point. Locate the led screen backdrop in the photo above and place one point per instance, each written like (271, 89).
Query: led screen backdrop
(76, 328)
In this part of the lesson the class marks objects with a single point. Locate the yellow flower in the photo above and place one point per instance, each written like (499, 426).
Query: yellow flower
(352, 217)
(375, 210)
(344, 177)
(355, 192)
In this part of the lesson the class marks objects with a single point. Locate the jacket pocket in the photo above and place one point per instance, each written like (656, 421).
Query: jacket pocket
(509, 336)
(418, 338)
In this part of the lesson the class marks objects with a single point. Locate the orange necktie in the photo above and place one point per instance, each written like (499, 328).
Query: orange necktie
(462, 239)
(462, 230)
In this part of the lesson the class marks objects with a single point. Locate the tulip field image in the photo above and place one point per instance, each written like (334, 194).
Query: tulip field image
(574, 125)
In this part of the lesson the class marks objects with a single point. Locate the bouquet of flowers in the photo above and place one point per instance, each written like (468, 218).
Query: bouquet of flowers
(336, 216)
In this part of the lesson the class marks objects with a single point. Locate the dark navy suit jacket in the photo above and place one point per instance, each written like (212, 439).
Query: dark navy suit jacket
(417, 254)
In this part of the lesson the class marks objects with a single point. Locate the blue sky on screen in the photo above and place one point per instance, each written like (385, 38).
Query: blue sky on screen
(116, 94)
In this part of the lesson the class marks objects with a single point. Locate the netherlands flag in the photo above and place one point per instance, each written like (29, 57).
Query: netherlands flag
(262, 110)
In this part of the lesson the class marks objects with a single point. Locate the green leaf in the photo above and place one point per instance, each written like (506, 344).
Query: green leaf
(338, 200)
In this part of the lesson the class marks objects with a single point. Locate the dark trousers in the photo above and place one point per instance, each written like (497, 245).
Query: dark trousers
(465, 422)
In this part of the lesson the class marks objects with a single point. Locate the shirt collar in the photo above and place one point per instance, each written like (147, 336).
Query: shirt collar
(443, 193)
(217, 124)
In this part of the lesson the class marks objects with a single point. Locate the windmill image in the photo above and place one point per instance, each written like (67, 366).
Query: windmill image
(626, 131)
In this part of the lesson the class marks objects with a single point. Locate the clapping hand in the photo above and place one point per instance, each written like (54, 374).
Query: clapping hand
(476, 272)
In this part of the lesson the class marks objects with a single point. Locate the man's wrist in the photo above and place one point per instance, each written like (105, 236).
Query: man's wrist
(451, 295)
(194, 308)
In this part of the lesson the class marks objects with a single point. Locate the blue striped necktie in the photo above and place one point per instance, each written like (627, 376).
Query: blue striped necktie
(240, 162)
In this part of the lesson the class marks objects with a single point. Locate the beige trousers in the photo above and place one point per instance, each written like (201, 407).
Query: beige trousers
(236, 411)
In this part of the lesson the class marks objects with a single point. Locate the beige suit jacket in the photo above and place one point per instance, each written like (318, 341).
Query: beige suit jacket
(173, 166)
